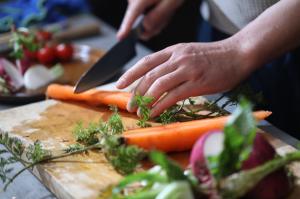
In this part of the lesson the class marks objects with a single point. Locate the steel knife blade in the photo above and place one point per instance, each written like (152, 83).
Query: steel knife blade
(111, 63)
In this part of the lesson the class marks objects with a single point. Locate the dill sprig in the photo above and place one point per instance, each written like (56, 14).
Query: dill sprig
(86, 135)
(108, 135)
(142, 102)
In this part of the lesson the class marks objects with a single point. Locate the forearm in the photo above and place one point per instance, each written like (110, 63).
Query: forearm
(274, 32)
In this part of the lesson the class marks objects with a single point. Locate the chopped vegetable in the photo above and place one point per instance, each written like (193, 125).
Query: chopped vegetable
(178, 136)
(93, 97)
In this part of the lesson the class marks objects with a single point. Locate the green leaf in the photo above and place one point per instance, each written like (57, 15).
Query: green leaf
(139, 177)
(173, 170)
(239, 134)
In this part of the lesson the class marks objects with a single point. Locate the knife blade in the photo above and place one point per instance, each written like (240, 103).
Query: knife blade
(111, 63)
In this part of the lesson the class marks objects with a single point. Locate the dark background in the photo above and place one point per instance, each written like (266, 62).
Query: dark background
(182, 28)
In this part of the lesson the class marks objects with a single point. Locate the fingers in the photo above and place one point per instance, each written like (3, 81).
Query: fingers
(151, 77)
(182, 92)
(132, 12)
(156, 19)
(142, 67)
(165, 84)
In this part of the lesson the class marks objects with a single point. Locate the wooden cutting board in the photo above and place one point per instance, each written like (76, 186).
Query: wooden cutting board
(78, 176)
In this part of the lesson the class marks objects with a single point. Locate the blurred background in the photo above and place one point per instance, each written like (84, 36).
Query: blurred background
(183, 27)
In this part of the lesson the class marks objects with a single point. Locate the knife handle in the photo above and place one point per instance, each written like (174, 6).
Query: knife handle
(138, 27)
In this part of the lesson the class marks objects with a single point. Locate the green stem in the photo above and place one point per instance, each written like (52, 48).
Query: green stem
(238, 184)
(16, 175)
(94, 146)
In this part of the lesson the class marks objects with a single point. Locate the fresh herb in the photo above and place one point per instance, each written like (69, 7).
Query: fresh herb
(20, 40)
(123, 158)
(36, 153)
(108, 134)
(239, 134)
(88, 135)
(74, 147)
(142, 102)
(115, 122)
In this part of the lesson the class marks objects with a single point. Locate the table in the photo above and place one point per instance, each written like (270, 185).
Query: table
(28, 186)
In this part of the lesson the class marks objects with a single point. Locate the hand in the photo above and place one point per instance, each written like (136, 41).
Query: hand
(154, 21)
(188, 69)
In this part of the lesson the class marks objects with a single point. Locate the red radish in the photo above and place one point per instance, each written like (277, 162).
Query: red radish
(209, 144)
(23, 65)
(274, 186)
(277, 184)
(2, 70)
(15, 78)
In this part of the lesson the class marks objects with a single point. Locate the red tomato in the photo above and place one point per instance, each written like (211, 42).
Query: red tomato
(46, 55)
(43, 35)
(32, 55)
(64, 52)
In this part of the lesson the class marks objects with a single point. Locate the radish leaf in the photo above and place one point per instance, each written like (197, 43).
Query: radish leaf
(239, 136)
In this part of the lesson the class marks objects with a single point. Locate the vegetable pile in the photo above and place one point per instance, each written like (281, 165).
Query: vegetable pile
(33, 62)
(233, 163)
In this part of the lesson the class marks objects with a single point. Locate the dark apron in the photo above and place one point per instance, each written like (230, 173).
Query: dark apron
(278, 81)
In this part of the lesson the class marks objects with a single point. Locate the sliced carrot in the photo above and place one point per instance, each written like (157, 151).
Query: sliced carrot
(93, 97)
(178, 136)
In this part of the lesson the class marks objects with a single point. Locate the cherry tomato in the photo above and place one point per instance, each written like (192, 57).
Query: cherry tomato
(64, 52)
(46, 55)
(43, 35)
(32, 55)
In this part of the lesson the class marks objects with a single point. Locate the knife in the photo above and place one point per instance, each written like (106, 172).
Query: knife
(111, 63)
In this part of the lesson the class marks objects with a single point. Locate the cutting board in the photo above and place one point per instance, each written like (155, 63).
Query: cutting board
(78, 176)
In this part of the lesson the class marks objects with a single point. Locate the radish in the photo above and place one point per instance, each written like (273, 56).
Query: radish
(210, 144)
(38, 76)
(23, 65)
(275, 185)
(15, 77)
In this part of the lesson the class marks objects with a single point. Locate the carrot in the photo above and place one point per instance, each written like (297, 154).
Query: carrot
(92, 97)
(178, 136)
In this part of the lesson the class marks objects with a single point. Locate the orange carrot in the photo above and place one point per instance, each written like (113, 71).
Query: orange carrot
(178, 136)
(92, 97)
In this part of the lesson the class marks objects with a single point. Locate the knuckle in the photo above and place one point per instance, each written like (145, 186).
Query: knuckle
(149, 77)
(146, 59)
(183, 58)
(159, 84)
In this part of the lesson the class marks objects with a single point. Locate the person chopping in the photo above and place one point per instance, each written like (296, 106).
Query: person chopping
(256, 41)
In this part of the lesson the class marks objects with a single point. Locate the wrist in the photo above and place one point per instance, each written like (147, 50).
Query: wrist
(246, 52)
